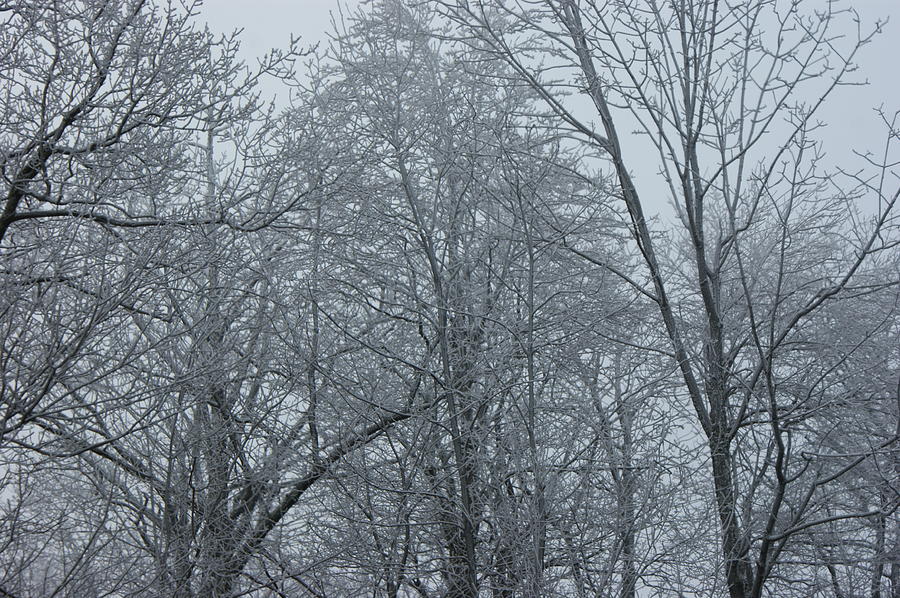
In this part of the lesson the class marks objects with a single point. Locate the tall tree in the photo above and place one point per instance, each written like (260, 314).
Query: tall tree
(766, 239)
(465, 242)
(101, 105)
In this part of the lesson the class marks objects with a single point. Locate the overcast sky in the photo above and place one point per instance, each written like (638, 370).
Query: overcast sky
(270, 23)
(851, 121)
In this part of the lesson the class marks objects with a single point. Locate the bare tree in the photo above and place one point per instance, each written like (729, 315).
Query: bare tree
(416, 335)
(468, 234)
(100, 108)
(770, 238)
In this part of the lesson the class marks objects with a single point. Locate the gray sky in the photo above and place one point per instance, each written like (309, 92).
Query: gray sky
(270, 23)
(850, 117)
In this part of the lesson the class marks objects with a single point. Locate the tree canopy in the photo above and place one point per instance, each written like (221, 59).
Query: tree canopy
(417, 334)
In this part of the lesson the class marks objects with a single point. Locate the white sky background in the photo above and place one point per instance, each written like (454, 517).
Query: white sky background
(850, 117)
